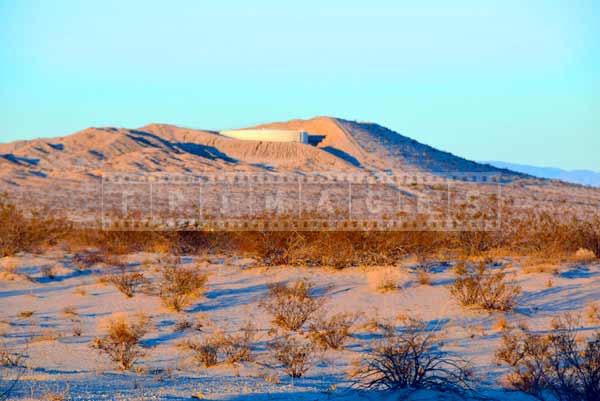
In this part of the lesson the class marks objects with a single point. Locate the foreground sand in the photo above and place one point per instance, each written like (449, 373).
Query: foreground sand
(59, 361)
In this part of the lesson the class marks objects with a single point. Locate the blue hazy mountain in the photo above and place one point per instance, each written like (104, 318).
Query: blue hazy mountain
(584, 177)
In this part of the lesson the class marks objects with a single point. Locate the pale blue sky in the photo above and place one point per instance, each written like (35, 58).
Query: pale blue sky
(508, 80)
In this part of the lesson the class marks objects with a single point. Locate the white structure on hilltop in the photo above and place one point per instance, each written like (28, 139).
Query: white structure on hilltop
(267, 134)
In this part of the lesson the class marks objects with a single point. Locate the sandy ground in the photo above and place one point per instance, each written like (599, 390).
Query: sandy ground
(59, 361)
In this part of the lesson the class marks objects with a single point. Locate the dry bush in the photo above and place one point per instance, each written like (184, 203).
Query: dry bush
(183, 325)
(548, 268)
(206, 352)
(483, 287)
(80, 291)
(186, 324)
(9, 270)
(9, 379)
(501, 324)
(57, 394)
(383, 279)
(47, 334)
(21, 232)
(332, 332)
(25, 314)
(8, 358)
(177, 287)
(86, 259)
(554, 364)
(77, 328)
(295, 354)
(224, 347)
(593, 313)
(70, 311)
(375, 324)
(584, 256)
(293, 304)
(412, 359)
(126, 283)
(423, 277)
(112, 260)
(48, 272)
(238, 347)
(122, 340)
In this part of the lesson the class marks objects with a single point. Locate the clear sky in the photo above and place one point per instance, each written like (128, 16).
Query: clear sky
(508, 80)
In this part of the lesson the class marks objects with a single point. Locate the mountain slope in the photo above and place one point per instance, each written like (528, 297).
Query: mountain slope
(375, 147)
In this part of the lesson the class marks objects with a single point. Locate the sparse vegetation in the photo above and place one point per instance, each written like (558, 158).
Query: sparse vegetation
(86, 259)
(423, 277)
(383, 280)
(291, 305)
(48, 272)
(25, 314)
(584, 256)
(122, 340)
(237, 347)
(332, 332)
(523, 231)
(484, 287)
(554, 364)
(295, 354)
(206, 352)
(25, 232)
(178, 286)
(12, 367)
(412, 359)
(224, 347)
(593, 313)
(126, 282)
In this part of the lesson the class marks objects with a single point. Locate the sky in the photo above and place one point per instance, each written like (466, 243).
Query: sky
(510, 80)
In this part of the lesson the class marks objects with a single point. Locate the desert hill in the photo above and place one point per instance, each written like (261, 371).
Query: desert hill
(347, 146)
(66, 173)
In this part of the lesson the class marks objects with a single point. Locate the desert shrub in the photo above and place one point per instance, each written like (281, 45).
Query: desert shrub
(21, 232)
(237, 347)
(48, 272)
(332, 332)
(126, 283)
(293, 304)
(224, 347)
(501, 324)
(483, 287)
(412, 359)
(25, 314)
(186, 324)
(85, 259)
(554, 364)
(57, 393)
(70, 311)
(9, 378)
(77, 328)
(176, 287)
(8, 358)
(206, 352)
(584, 256)
(183, 325)
(423, 277)
(383, 280)
(593, 313)
(295, 354)
(122, 340)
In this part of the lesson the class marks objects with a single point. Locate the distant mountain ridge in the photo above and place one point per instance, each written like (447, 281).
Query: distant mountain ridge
(583, 177)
